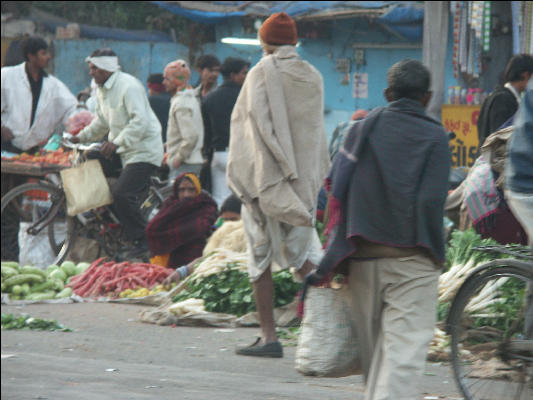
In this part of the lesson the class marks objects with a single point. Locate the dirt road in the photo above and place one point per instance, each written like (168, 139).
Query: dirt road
(112, 355)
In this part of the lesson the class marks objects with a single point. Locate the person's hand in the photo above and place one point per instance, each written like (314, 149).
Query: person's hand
(174, 277)
(74, 139)
(7, 134)
(314, 278)
(107, 149)
(176, 164)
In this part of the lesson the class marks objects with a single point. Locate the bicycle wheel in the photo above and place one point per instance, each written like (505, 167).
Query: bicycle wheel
(150, 207)
(37, 208)
(492, 355)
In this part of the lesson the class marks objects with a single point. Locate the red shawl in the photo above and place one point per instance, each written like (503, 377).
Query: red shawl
(181, 228)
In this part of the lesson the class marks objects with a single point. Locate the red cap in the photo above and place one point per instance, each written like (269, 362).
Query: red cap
(279, 29)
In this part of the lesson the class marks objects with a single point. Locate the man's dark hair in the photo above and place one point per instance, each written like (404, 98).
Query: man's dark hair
(232, 65)
(155, 78)
(408, 78)
(106, 51)
(516, 66)
(32, 45)
(207, 61)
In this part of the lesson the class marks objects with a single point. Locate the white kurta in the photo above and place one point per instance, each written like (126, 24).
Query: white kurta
(55, 105)
(123, 111)
(185, 131)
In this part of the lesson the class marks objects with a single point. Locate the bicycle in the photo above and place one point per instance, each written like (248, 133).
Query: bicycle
(42, 205)
(491, 327)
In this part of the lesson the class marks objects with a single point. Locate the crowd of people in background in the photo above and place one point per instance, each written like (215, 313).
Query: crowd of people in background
(258, 139)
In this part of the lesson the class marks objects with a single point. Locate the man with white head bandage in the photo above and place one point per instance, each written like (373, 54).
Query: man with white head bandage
(133, 143)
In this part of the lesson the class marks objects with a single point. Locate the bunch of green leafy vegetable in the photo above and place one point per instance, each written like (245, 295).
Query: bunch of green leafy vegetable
(503, 314)
(10, 322)
(231, 292)
(462, 248)
(466, 251)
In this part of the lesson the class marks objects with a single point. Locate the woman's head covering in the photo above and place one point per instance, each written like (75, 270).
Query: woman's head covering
(179, 73)
(279, 29)
(190, 176)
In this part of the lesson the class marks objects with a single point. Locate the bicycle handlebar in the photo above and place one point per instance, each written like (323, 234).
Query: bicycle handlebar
(82, 147)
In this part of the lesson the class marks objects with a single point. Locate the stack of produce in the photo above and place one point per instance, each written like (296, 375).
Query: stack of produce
(111, 278)
(222, 284)
(79, 121)
(143, 291)
(461, 258)
(57, 157)
(33, 284)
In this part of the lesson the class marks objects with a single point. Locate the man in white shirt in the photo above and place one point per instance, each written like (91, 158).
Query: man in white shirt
(185, 128)
(34, 102)
(134, 133)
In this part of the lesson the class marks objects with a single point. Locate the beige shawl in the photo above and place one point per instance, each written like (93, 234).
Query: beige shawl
(278, 153)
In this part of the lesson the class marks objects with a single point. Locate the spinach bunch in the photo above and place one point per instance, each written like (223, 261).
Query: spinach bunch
(231, 292)
(10, 322)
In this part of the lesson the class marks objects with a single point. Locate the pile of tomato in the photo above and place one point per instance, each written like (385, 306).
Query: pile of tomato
(58, 157)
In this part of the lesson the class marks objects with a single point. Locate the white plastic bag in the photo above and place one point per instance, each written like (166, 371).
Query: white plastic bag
(327, 345)
(35, 249)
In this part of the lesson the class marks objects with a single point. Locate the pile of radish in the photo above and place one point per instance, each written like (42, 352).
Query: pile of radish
(109, 278)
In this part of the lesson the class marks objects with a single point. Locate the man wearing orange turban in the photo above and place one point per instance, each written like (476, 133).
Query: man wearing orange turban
(278, 158)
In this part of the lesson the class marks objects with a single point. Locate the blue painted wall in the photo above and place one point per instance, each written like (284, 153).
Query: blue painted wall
(137, 58)
(339, 102)
(143, 58)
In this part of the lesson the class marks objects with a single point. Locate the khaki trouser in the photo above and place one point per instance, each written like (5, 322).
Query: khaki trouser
(394, 301)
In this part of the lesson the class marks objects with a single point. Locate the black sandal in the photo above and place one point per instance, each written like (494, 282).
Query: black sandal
(273, 350)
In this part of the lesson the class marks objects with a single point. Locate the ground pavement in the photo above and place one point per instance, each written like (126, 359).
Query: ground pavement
(112, 355)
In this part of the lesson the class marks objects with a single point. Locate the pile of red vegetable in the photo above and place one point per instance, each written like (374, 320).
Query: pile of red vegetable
(109, 278)
(78, 121)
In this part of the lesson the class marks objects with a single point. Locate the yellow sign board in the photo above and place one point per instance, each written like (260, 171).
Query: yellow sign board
(462, 120)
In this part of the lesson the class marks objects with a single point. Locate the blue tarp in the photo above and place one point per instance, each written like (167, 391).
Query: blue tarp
(406, 21)
(206, 17)
(404, 17)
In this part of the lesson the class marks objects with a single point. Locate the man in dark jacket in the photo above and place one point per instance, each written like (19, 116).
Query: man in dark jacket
(503, 103)
(216, 112)
(208, 67)
(159, 101)
(388, 185)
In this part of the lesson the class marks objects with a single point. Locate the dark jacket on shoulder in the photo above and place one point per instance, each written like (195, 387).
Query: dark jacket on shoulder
(390, 182)
(160, 104)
